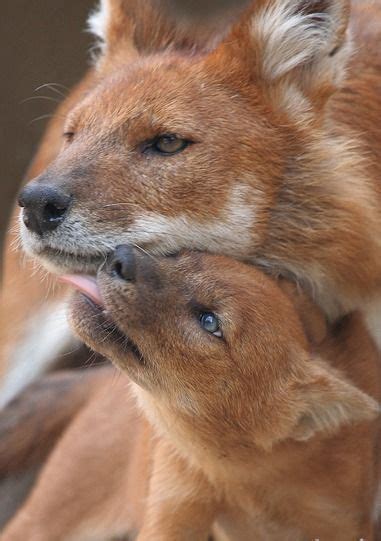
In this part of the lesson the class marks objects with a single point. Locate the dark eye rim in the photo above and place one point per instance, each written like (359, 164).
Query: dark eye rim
(68, 136)
(151, 145)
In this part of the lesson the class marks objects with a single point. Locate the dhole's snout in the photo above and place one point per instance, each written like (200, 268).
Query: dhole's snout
(44, 207)
(122, 263)
(129, 264)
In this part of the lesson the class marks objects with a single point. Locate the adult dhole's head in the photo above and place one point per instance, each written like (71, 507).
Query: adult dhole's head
(210, 142)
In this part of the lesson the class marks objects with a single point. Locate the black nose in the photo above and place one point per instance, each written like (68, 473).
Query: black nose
(44, 207)
(122, 263)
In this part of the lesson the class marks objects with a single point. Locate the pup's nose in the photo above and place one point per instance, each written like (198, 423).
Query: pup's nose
(44, 207)
(122, 263)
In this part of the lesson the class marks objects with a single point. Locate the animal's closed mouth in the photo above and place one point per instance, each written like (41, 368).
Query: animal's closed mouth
(73, 262)
(109, 331)
(79, 256)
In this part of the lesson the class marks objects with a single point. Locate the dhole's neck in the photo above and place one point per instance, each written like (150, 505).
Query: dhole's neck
(325, 229)
(225, 453)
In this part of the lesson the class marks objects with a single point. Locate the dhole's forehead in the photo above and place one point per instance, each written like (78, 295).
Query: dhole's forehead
(240, 293)
(221, 280)
(163, 94)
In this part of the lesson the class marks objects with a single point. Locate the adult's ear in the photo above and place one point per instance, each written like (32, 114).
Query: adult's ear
(301, 41)
(113, 29)
(330, 402)
(127, 28)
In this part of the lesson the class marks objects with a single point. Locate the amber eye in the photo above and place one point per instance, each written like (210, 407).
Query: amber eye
(169, 144)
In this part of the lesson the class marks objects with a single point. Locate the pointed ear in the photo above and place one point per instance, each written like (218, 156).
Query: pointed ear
(127, 28)
(331, 402)
(112, 28)
(298, 33)
(302, 42)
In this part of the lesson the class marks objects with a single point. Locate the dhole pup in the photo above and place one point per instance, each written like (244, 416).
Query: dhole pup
(261, 143)
(249, 428)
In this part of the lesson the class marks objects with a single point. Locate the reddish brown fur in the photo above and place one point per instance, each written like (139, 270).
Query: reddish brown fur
(313, 203)
(281, 144)
(31, 424)
(258, 435)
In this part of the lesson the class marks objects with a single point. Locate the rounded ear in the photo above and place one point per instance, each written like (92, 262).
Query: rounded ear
(330, 402)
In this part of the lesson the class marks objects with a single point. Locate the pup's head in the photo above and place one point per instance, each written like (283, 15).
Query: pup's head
(214, 144)
(216, 346)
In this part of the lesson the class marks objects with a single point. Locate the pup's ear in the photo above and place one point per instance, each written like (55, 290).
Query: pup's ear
(303, 41)
(329, 403)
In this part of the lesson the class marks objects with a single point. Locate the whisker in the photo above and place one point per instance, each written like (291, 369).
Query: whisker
(105, 256)
(145, 252)
(91, 360)
(53, 88)
(16, 243)
(42, 117)
(115, 205)
(166, 235)
(33, 98)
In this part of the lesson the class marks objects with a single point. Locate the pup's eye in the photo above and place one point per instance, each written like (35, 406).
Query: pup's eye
(210, 323)
(169, 144)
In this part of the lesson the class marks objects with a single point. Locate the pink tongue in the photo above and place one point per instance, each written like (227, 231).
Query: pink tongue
(85, 284)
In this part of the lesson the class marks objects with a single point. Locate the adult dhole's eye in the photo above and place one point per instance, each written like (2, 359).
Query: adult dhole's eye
(169, 144)
(68, 136)
(210, 323)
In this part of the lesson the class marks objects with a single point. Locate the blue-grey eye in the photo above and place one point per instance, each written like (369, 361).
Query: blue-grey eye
(210, 323)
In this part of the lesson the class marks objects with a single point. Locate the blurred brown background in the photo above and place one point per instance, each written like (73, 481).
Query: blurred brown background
(41, 41)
